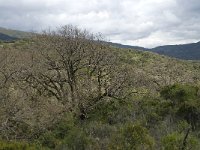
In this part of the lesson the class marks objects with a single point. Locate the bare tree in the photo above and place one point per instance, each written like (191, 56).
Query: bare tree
(75, 67)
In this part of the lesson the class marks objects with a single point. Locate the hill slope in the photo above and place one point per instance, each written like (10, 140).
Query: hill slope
(135, 78)
(5, 37)
(185, 51)
(126, 46)
(10, 34)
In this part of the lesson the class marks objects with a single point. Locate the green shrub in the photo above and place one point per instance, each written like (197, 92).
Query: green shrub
(174, 141)
(112, 111)
(186, 102)
(190, 111)
(77, 140)
(179, 93)
(132, 137)
(12, 145)
(61, 130)
(64, 126)
(154, 110)
(48, 140)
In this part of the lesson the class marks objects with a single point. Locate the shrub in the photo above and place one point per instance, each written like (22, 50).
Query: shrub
(179, 93)
(132, 137)
(174, 141)
(4, 145)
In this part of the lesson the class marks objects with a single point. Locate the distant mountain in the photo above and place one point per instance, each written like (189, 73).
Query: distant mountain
(10, 35)
(184, 51)
(4, 37)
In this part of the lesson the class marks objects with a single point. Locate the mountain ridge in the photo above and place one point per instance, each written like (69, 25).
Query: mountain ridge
(7, 38)
(14, 33)
(190, 51)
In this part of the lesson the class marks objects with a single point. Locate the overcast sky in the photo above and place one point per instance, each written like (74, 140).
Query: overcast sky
(147, 23)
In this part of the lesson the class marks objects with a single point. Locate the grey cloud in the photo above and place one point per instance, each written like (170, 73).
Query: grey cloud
(137, 22)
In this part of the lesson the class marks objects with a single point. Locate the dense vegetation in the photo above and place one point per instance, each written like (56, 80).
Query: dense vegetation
(67, 89)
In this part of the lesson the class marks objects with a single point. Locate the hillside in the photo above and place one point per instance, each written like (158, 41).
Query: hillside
(9, 34)
(185, 51)
(126, 46)
(76, 93)
(4, 37)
